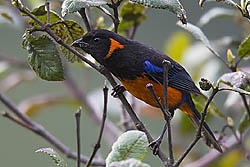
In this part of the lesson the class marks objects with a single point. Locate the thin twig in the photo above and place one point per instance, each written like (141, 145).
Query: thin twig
(112, 132)
(151, 89)
(106, 12)
(98, 143)
(187, 151)
(166, 66)
(245, 104)
(78, 136)
(48, 11)
(38, 129)
(116, 20)
(213, 155)
(13, 108)
(82, 12)
(198, 134)
(132, 32)
(204, 112)
(12, 118)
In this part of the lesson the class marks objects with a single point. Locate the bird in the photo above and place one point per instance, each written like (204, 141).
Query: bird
(136, 65)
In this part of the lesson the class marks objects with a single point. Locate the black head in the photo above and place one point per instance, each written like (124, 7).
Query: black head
(98, 43)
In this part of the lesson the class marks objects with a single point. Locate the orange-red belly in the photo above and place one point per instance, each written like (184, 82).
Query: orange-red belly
(138, 89)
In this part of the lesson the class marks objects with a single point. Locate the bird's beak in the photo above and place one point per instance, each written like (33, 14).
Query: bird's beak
(80, 43)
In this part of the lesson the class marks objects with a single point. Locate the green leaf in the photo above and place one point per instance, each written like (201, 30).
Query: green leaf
(244, 122)
(59, 161)
(173, 6)
(41, 14)
(68, 31)
(131, 144)
(200, 102)
(244, 48)
(132, 16)
(198, 34)
(71, 6)
(129, 163)
(44, 57)
(235, 81)
(215, 13)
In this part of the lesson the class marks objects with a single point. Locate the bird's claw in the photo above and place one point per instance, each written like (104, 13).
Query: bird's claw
(117, 90)
(155, 145)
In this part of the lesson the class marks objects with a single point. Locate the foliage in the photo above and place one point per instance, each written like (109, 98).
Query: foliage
(131, 144)
(59, 161)
(44, 57)
(46, 54)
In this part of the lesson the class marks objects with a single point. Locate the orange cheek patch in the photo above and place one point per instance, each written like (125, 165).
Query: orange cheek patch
(113, 46)
(138, 89)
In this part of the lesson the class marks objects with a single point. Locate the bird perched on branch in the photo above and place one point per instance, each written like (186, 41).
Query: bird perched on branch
(137, 65)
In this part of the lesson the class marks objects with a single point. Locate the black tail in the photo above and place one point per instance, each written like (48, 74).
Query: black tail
(206, 131)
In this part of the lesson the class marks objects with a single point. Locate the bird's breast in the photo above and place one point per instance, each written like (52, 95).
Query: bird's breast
(137, 87)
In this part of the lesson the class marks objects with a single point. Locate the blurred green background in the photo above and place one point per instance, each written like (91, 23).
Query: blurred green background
(18, 145)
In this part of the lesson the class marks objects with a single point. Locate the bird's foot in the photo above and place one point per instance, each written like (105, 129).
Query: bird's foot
(117, 90)
(155, 145)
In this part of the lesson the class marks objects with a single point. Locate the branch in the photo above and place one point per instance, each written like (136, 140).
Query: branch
(112, 132)
(166, 66)
(98, 143)
(106, 12)
(82, 12)
(78, 136)
(38, 129)
(116, 20)
(213, 155)
(48, 11)
(198, 134)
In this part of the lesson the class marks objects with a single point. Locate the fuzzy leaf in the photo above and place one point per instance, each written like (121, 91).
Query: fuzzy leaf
(71, 6)
(173, 6)
(132, 15)
(131, 144)
(43, 57)
(215, 13)
(236, 81)
(68, 31)
(41, 14)
(59, 161)
(244, 48)
(244, 123)
(229, 2)
(129, 163)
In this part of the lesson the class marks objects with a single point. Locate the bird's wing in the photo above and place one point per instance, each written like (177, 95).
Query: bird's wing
(177, 76)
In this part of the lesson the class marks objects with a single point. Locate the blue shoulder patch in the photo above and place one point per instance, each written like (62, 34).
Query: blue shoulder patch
(150, 68)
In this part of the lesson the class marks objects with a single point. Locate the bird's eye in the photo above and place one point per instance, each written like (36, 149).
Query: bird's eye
(96, 40)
